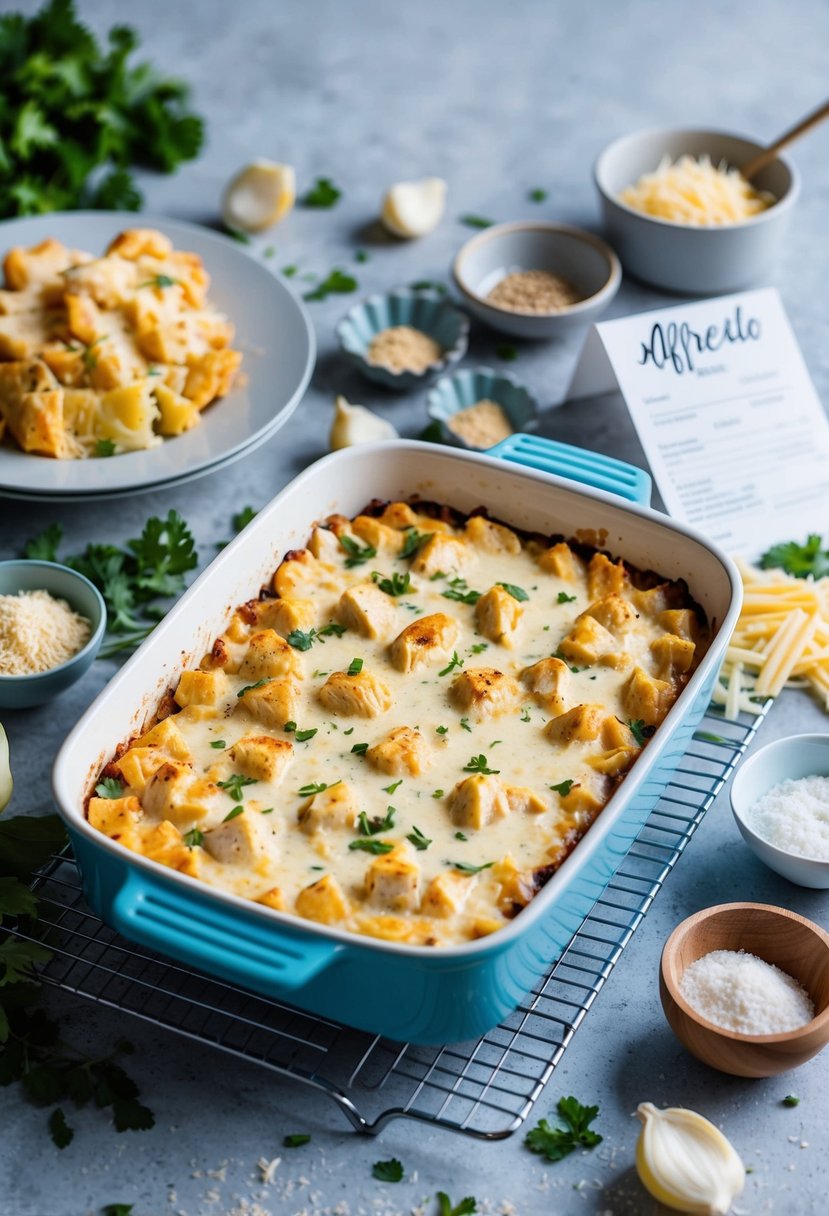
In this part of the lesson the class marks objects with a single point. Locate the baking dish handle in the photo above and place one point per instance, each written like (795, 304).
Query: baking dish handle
(577, 464)
(215, 940)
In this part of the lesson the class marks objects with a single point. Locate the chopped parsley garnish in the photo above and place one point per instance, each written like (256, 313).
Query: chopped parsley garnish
(564, 598)
(322, 194)
(478, 764)
(373, 827)
(316, 787)
(458, 590)
(302, 736)
(237, 810)
(319, 673)
(357, 554)
(110, 787)
(350, 731)
(412, 542)
(361, 255)
(250, 687)
(235, 784)
(114, 1209)
(160, 281)
(300, 639)
(44, 547)
(454, 662)
(417, 838)
(332, 629)
(798, 560)
(428, 285)
(398, 584)
(525, 714)
(242, 518)
(267, 811)
(269, 251)
(465, 725)
(104, 447)
(517, 593)
(359, 749)
(289, 271)
(387, 1171)
(437, 793)
(537, 195)
(460, 836)
(289, 726)
(640, 731)
(506, 352)
(193, 837)
(442, 730)
(355, 667)
(791, 1100)
(295, 1140)
(479, 647)
(466, 1206)
(557, 654)
(555, 1143)
(476, 221)
(337, 283)
(563, 787)
(389, 789)
(377, 847)
(466, 867)
(218, 744)
(236, 234)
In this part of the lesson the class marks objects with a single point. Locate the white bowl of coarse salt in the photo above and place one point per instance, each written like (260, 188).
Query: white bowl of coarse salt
(780, 800)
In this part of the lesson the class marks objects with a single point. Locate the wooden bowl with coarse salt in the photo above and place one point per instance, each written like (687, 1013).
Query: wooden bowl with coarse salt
(796, 946)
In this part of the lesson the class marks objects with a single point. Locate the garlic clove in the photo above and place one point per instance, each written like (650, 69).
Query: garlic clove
(686, 1162)
(355, 424)
(259, 196)
(6, 784)
(412, 209)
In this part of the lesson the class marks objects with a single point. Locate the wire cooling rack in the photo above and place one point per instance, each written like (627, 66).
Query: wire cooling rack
(485, 1088)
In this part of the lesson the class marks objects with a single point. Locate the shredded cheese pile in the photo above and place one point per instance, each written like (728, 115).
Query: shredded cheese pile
(38, 632)
(696, 192)
(781, 637)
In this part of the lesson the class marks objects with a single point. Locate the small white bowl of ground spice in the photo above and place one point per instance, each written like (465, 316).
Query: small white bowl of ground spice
(404, 338)
(535, 280)
(477, 407)
(52, 622)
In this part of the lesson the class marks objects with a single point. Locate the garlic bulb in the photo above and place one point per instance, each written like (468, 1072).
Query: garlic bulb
(414, 208)
(5, 770)
(686, 1162)
(259, 196)
(355, 424)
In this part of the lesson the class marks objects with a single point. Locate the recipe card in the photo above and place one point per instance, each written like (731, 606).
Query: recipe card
(730, 421)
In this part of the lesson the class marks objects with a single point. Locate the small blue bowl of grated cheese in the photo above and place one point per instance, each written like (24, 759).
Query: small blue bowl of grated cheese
(780, 800)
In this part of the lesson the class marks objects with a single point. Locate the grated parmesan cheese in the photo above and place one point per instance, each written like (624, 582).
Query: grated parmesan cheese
(743, 993)
(794, 816)
(696, 192)
(38, 632)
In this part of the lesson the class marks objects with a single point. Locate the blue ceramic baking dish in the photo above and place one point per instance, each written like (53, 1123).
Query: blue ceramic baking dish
(403, 991)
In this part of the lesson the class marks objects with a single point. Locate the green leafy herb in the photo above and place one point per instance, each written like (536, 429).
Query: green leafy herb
(563, 787)
(236, 234)
(289, 271)
(640, 731)
(237, 810)
(506, 351)
(479, 647)
(373, 827)
(791, 1100)
(428, 285)
(460, 836)
(454, 662)
(302, 736)
(109, 787)
(459, 591)
(160, 281)
(44, 547)
(538, 195)
(296, 1140)
(476, 221)
(234, 785)
(555, 1143)
(398, 584)
(478, 764)
(387, 1171)
(300, 640)
(412, 541)
(377, 847)
(525, 714)
(104, 447)
(193, 838)
(466, 868)
(517, 593)
(564, 598)
(361, 255)
(218, 744)
(322, 194)
(118, 1209)
(466, 1207)
(315, 787)
(433, 433)
(442, 730)
(557, 654)
(332, 629)
(258, 684)
(337, 283)
(437, 793)
(801, 561)
(389, 789)
(269, 251)
(357, 554)
(417, 838)
(465, 725)
(354, 667)
(60, 1131)
(242, 518)
(359, 749)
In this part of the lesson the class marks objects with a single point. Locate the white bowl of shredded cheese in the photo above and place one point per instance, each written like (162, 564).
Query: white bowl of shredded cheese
(780, 800)
(681, 218)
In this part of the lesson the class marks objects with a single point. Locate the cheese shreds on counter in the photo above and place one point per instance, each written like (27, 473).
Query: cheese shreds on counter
(38, 632)
(691, 191)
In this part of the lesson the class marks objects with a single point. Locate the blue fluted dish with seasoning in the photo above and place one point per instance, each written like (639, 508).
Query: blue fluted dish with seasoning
(427, 311)
(464, 388)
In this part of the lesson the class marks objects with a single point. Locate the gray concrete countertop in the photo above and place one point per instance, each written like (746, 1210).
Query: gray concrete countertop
(498, 99)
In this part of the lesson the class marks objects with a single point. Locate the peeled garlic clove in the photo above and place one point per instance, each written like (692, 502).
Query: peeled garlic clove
(5, 771)
(355, 424)
(259, 196)
(414, 208)
(686, 1162)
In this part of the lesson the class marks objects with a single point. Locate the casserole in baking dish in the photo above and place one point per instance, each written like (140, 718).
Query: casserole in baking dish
(397, 988)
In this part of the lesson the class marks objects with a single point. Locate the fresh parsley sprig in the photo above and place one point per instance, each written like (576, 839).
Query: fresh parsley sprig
(801, 561)
(555, 1143)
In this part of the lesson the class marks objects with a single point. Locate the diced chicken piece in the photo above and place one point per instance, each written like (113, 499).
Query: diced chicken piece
(117, 818)
(221, 657)
(385, 539)
(446, 894)
(325, 545)
(393, 881)
(137, 765)
(269, 655)
(589, 642)
(497, 615)
(272, 898)
(442, 555)
(400, 515)
(136, 242)
(582, 805)
(285, 615)
(614, 612)
(613, 762)
(674, 655)
(303, 576)
(561, 561)
(516, 886)
(362, 695)
(605, 576)
(173, 793)
(485, 692)
(403, 753)
(368, 611)
(40, 266)
(332, 808)
(615, 734)
(491, 537)
(273, 703)
(323, 901)
(201, 688)
(646, 698)
(655, 600)
(521, 798)
(581, 724)
(261, 757)
(427, 640)
(548, 681)
(478, 800)
(177, 413)
(681, 621)
(163, 843)
(166, 736)
(248, 840)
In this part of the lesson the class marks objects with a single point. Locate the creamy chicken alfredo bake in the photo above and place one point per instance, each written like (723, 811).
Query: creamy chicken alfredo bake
(410, 730)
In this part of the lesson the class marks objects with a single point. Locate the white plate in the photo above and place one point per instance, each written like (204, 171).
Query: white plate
(273, 331)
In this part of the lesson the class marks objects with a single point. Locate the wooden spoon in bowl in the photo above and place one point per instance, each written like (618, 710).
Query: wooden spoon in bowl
(752, 167)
